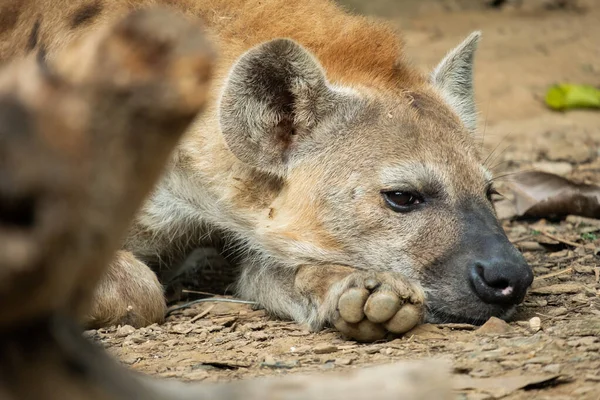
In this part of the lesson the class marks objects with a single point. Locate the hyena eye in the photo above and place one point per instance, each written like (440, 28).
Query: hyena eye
(402, 201)
(491, 192)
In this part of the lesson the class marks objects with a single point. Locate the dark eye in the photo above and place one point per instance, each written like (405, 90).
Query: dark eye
(402, 201)
(491, 192)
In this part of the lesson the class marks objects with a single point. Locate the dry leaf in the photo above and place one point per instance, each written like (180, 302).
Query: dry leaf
(501, 386)
(544, 195)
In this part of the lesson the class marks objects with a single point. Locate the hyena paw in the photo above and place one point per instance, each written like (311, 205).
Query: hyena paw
(374, 304)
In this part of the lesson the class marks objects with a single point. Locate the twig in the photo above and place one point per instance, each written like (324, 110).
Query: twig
(524, 238)
(210, 299)
(198, 292)
(456, 326)
(550, 275)
(548, 235)
(202, 314)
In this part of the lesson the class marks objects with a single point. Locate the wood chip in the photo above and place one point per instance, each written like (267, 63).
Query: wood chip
(562, 288)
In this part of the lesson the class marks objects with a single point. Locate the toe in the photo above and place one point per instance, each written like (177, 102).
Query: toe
(405, 319)
(351, 304)
(381, 306)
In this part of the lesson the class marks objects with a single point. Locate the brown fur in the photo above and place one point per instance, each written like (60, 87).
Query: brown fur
(301, 139)
(58, 227)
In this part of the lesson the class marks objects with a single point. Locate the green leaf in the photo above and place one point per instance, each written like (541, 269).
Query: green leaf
(567, 96)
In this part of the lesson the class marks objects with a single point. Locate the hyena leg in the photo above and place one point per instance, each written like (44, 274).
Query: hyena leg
(363, 305)
(128, 294)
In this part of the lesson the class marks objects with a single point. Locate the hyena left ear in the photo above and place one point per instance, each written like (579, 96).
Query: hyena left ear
(274, 96)
(453, 77)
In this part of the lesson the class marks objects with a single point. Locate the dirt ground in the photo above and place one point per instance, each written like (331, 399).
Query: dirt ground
(525, 48)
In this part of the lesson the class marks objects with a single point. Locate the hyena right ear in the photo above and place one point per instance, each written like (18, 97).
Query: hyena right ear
(453, 77)
(275, 95)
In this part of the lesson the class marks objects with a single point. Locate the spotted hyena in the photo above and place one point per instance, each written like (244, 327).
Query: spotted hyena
(351, 184)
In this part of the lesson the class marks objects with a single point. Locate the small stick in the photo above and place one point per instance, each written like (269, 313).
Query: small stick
(550, 275)
(524, 238)
(210, 299)
(202, 314)
(198, 292)
(548, 235)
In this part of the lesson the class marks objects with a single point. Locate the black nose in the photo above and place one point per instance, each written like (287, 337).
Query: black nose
(501, 280)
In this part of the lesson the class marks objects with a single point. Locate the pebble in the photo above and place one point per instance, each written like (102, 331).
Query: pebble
(387, 351)
(494, 326)
(300, 349)
(259, 335)
(583, 269)
(530, 246)
(129, 359)
(555, 312)
(552, 368)
(371, 350)
(270, 362)
(593, 378)
(583, 390)
(580, 298)
(511, 364)
(124, 330)
(535, 324)
(540, 360)
(583, 341)
(343, 361)
(324, 348)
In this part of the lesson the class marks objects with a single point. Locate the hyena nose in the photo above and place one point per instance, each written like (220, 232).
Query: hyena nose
(501, 280)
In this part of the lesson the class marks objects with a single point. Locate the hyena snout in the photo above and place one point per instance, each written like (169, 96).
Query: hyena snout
(498, 272)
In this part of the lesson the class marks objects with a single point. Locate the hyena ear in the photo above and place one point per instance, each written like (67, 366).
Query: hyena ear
(453, 77)
(275, 95)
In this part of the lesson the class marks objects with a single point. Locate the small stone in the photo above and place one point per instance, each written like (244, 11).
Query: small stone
(584, 341)
(511, 364)
(300, 349)
(259, 336)
(530, 246)
(129, 360)
(593, 378)
(124, 330)
(343, 361)
(535, 324)
(552, 368)
(580, 298)
(536, 303)
(494, 326)
(183, 329)
(583, 390)
(583, 269)
(555, 312)
(371, 349)
(539, 360)
(387, 351)
(324, 348)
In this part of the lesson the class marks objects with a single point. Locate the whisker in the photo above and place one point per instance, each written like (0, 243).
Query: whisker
(495, 148)
(487, 109)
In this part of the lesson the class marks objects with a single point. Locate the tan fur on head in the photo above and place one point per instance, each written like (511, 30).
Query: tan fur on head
(314, 118)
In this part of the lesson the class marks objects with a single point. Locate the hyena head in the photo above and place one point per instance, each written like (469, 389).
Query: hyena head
(386, 180)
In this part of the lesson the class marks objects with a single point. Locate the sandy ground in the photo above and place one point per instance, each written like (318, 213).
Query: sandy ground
(524, 50)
